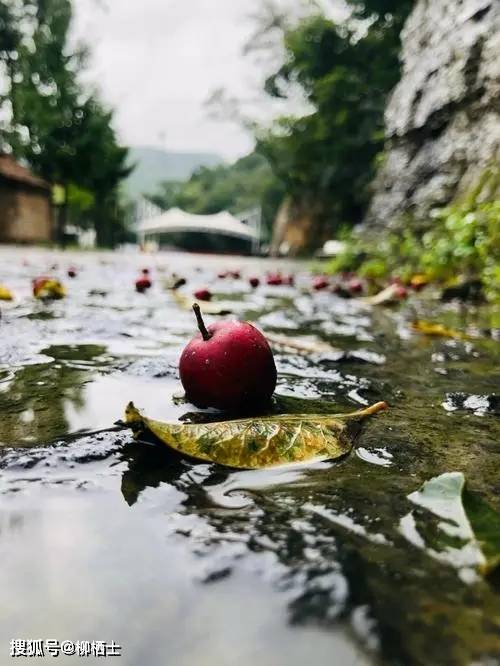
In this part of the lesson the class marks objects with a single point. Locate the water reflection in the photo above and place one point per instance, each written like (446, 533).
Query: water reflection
(197, 564)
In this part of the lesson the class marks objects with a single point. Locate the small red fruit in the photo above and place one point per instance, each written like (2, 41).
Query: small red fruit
(400, 291)
(47, 288)
(254, 282)
(222, 275)
(355, 286)
(142, 284)
(320, 283)
(228, 365)
(203, 295)
(274, 279)
(72, 272)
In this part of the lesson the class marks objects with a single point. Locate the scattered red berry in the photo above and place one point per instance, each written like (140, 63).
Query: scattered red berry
(320, 283)
(355, 286)
(274, 279)
(400, 291)
(142, 284)
(203, 295)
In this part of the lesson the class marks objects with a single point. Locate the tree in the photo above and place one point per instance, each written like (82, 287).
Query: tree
(238, 187)
(327, 158)
(63, 131)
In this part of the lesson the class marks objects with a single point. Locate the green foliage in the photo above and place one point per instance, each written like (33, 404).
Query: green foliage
(463, 242)
(328, 156)
(238, 187)
(61, 130)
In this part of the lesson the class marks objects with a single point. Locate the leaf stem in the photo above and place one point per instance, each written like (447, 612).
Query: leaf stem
(201, 324)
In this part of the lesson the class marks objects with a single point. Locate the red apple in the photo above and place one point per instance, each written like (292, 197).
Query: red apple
(254, 282)
(400, 291)
(203, 295)
(71, 272)
(228, 365)
(320, 283)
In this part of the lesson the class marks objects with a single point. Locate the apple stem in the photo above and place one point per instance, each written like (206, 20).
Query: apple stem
(201, 324)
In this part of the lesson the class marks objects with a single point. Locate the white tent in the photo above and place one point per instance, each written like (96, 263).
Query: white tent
(177, 220)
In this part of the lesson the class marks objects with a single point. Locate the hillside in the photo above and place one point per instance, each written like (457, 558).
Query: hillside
(154, 166)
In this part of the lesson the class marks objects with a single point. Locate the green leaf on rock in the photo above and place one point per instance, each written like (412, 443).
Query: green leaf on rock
(253, 443)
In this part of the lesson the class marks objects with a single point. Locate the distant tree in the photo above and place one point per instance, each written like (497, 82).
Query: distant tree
(326, 158)
(9, 43)
(60, 129)
(238, 187)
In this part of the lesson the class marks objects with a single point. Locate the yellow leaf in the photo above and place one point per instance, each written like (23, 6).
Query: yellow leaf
(439, 330)
(259, 442)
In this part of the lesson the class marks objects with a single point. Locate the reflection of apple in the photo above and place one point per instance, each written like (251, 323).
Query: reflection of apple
(228, 365)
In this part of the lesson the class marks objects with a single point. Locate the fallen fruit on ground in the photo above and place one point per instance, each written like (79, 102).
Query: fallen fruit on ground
(319, 283)
(142, 284)
(228, 365)
(206, 307)
(254, 282)
(355, 286)
(203, 295)
(274, 279)
(5, 294)
(258, 442)
(46, 288)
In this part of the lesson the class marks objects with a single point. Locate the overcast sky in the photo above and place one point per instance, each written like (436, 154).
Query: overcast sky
(158, 61)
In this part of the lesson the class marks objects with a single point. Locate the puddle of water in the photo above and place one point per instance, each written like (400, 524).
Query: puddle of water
(199, 564)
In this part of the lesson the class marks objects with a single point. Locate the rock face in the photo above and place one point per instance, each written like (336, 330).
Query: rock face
(443, 118)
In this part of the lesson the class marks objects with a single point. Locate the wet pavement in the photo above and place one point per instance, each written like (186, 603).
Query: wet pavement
(103, 538)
